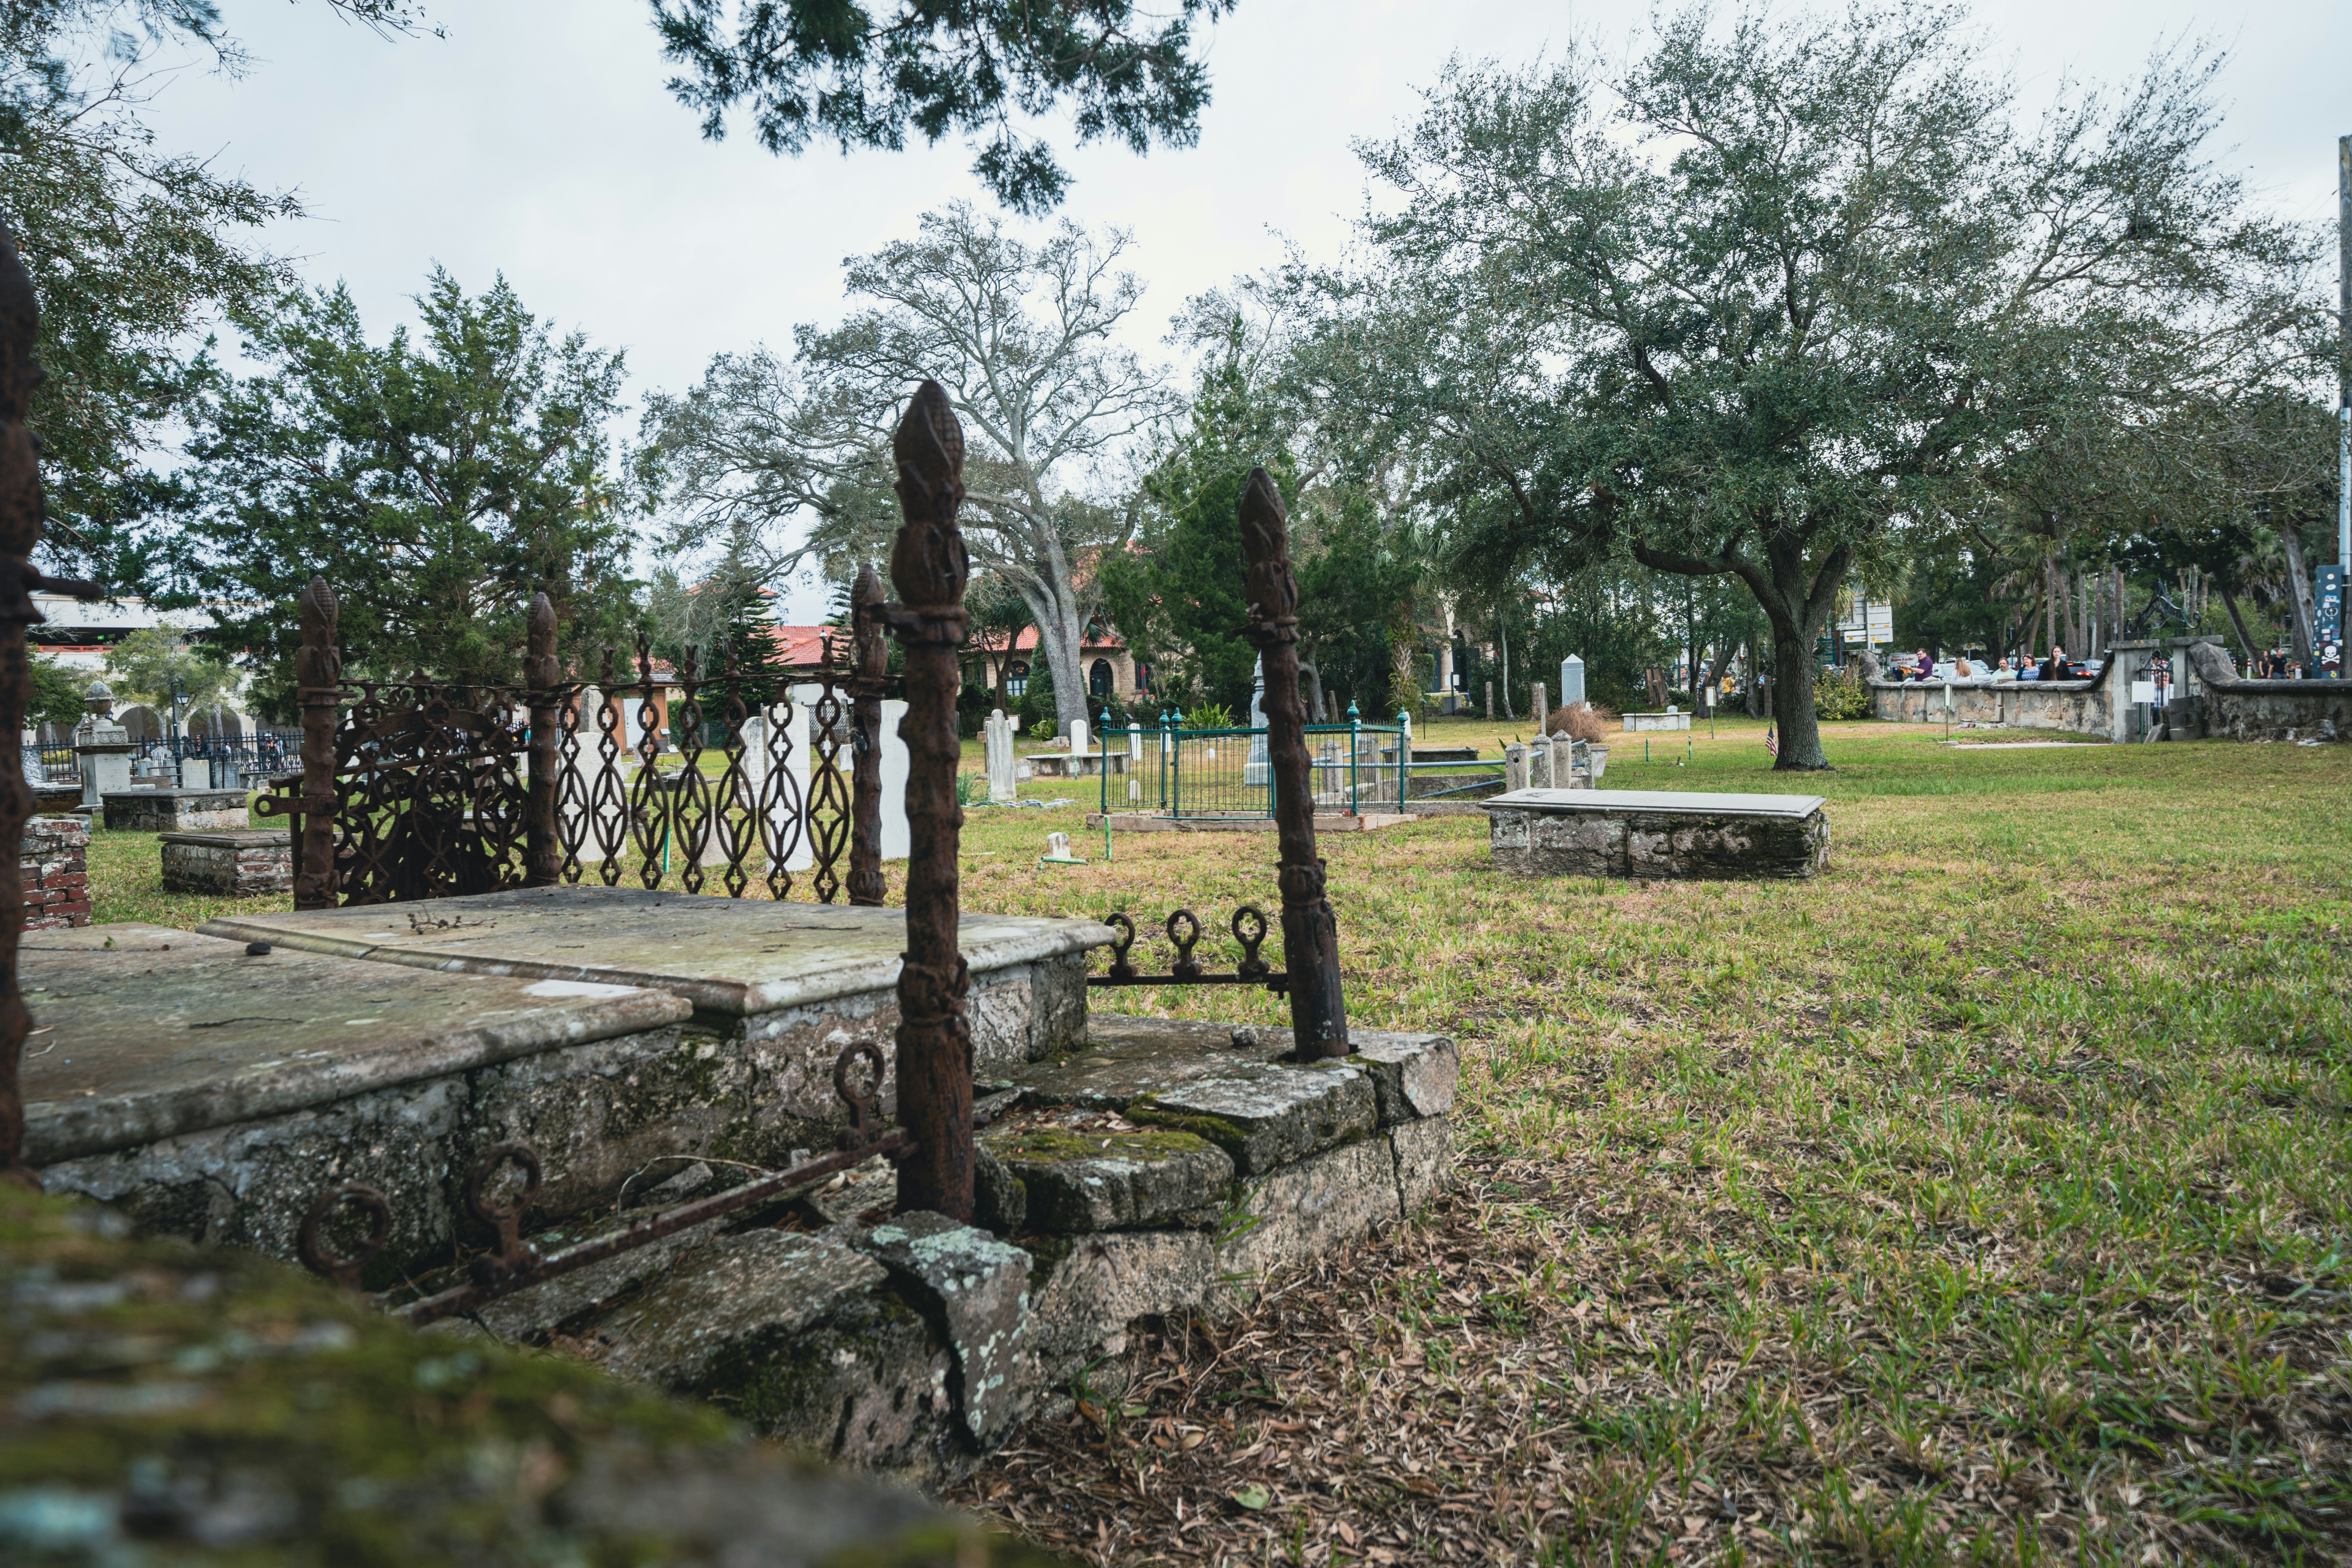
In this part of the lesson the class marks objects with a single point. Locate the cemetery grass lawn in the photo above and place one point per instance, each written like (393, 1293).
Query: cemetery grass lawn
(1988, 1198)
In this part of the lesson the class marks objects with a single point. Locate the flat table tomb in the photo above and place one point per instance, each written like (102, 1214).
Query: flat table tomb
(1657, 835)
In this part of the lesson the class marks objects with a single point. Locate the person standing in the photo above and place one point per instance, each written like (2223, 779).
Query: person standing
(2056, 668)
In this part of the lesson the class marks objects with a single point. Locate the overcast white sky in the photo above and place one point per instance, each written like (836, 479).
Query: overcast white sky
(537, 140)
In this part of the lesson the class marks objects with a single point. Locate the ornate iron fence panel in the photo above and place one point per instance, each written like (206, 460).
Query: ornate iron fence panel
(430, 792)
(716, 780)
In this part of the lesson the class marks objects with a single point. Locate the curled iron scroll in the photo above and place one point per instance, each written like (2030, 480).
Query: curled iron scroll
(1186, 967)
(1121, 967)
(864, 1113)
(514, 1254)
(312, 1245)
(1249, 929)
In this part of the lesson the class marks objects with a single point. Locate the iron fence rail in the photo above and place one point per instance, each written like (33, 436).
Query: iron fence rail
(1175, 771)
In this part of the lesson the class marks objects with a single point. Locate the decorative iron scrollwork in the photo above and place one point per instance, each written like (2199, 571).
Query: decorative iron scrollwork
(864, 1113)
(1249, 926)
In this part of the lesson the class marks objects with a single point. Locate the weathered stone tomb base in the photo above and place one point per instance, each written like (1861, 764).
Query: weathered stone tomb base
(1166, 1170)
(1135, 1170)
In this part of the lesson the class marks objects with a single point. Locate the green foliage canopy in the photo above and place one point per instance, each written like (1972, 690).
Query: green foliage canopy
(866, 73)
(1768, 301)
(436, 483)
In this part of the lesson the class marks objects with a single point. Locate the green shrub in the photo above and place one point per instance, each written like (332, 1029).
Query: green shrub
(1042, 731)
(1840, 694)
(1209, 716)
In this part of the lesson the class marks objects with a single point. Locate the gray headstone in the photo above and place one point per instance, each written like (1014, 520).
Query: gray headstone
(1514, 767)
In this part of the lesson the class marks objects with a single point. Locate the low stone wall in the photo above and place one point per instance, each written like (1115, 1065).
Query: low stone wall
(1166, 1169)
(2239, 709)
(233, 865)
(54, 868)
(2209, 701)
(2073, 707)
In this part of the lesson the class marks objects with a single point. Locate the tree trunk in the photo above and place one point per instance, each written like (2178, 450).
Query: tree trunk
(1503, 643)
(1792, 704)
(2245, 643)
(2306, 614)
(1755, 692)
(1310, 676)
(1060, 626)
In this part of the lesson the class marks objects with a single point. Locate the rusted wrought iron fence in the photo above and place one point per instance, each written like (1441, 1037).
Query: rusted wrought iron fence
(434, 790)
(932, 1145)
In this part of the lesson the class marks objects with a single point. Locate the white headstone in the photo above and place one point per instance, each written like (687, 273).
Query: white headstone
(1571, 681)
(1077, 737)
(898, 839)
(1002, 787)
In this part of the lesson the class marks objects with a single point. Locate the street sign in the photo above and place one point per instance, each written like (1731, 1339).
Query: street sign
(2329, 621)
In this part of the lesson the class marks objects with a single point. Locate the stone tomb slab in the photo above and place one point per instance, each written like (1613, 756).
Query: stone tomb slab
(1657, 835)
(232, 864)
(176, 811)
(778, 989)
(213, 1092)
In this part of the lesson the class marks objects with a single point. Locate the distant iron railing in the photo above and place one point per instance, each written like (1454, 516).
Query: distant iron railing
(1171, 770)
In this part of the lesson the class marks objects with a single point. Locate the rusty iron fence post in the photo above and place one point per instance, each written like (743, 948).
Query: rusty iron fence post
(928, 567)
(868, 665)
(1310, 935)
(319, 676)
(542, 855)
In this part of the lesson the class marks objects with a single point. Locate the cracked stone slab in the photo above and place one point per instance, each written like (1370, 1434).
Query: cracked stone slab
(1076, 1180)
(980, 1288)
(147, 1033)
(1106, 1282)
(760, 1284)
(1266, 1116)
(1414, 1075)
(728, 957)
(529, 1313)
(1127, 1058)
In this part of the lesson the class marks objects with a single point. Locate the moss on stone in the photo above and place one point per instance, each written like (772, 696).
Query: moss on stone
(1225, 1133)
(1054, 1145)
(234, 1410)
